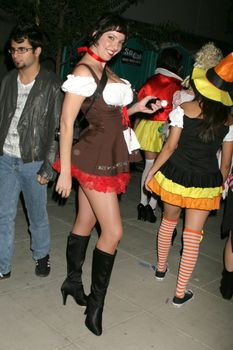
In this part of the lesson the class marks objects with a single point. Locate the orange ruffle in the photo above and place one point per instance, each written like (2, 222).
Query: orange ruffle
(184, 202)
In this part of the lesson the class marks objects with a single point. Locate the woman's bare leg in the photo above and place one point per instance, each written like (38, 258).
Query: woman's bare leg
(105, 207)
(86, 219)
(171, 212)
(195, 219)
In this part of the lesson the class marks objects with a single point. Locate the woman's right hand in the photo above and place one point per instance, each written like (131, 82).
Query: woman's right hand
(64, 185)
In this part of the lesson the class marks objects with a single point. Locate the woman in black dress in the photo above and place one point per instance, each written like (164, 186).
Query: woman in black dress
(186, 173)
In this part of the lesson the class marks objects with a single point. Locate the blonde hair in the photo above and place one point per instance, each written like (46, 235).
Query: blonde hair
(208, 56)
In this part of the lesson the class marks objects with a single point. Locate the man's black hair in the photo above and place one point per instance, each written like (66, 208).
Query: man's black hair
(26, 30)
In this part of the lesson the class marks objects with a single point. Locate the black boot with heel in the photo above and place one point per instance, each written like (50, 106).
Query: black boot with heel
(141, 212)
(75, 255)
(149, 215)
(102, 265)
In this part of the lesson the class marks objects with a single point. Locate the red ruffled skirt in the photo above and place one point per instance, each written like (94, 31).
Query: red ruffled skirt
(116, 183)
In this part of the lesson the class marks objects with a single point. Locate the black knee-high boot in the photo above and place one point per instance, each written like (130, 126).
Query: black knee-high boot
(226, 287)
(75, 256)
(102, 265)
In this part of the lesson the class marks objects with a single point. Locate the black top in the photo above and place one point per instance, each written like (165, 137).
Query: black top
(194, 163)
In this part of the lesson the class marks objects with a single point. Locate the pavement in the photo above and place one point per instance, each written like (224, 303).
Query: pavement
(138, 313)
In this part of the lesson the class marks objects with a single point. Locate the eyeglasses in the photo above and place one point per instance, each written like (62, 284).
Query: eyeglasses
(19, 50)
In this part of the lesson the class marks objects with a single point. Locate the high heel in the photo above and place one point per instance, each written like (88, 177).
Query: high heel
(64, 296)
(141, 212)
(74, 290)
(75, 256)
(149, 214)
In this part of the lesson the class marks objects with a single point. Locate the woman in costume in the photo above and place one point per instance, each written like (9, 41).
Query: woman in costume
(186, 173)
(226, 287)
(207, 57)
(100, 161)
(163, 84)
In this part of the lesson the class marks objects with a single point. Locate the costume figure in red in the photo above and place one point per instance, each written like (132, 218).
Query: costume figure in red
(163, 85)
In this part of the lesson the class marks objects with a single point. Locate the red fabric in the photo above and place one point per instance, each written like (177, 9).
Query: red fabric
(90, 52)
(163, 87)
(229, 181)
(98, 183)
(125, 117)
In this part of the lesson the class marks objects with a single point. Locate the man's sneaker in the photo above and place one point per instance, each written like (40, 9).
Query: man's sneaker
(43, 267)
(188, 296)
(160, 275)
(5, 275)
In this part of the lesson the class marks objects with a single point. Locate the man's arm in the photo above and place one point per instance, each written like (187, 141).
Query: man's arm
(46, 172)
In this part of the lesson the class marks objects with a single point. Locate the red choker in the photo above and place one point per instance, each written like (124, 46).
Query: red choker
(90, 52)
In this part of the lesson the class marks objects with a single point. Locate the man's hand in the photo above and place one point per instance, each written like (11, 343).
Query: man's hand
(42, 180)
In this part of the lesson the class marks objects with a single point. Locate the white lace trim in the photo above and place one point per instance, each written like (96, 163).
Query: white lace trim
(167, 73)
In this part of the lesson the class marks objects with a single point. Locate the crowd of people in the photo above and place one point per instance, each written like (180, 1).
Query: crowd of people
(182, 170)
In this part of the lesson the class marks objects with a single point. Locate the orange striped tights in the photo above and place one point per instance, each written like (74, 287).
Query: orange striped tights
(191, 243)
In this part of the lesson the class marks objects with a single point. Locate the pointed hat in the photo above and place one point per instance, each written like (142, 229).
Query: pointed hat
(216, 83)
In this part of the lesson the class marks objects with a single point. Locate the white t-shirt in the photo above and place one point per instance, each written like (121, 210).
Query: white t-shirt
(11, 145)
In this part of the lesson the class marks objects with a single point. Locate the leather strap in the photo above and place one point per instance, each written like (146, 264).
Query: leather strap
(100, 86)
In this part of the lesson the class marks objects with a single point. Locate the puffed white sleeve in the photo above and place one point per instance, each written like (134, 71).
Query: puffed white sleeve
(182, 96)
(84, 86)
(176, 117)
(229, 135)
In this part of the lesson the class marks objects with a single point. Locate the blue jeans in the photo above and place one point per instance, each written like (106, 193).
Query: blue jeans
(16, 176)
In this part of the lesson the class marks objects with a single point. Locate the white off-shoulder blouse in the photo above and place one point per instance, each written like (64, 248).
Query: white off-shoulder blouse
(114, 94)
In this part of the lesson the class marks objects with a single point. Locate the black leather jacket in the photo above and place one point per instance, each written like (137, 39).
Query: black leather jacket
(38, 120)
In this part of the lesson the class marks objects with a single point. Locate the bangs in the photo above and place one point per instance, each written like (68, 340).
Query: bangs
(109, 23)
(118, 28)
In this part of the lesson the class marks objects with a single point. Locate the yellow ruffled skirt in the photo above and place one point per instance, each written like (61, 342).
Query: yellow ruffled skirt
(149, 136)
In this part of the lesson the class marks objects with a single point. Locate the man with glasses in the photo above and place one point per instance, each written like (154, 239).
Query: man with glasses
(30, 105)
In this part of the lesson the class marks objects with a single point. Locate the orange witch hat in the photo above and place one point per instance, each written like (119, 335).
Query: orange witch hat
(216, 82)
